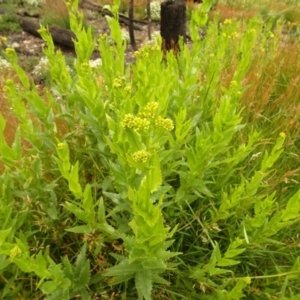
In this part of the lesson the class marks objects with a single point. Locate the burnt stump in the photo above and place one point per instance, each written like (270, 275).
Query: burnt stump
(172, 24)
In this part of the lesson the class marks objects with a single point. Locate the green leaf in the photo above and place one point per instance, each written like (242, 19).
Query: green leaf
(68, 270)
(86, 229)
(295, 270)
(88, 204)
(123, 268)
(63, 167)
(74, 185)
(292, 208)
(48, 287)
(4, 262)
(157, 279)
(233, 252)
(111, 123)
(101, 212)
(7, 152)
(16, 146)
(78, 212)
(154, 178)
(80, 261)
(237, 291)
(37, 167)
(84, 275)
(122, 278)
(225, 262)
(218, 271)
(24, 264)
(40, 266)
(3, 235)
(62, 150)
(143, 283)
(134, 140)
(52, 211)
(2, 126)
(108, 229)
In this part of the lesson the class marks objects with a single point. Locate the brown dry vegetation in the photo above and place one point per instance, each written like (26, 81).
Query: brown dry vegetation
(271, 103)
(11, 120)
(274, 8)
(54, 10)
(233, 12)
(275, 90)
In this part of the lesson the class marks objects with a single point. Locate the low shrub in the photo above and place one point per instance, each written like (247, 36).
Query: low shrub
(153, 180)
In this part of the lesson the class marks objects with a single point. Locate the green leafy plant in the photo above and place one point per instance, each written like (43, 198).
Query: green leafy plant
(9, 22)
(152, 179)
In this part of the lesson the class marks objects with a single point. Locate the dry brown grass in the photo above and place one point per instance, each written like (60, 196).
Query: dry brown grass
(5, 106)
(274, 8)
(274, 93)
(55, 12)
(5, 110)
(12, 122)
(233, 12)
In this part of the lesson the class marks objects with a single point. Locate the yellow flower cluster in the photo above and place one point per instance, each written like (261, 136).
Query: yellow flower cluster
(128, 88)
(149, 110)
(227, 21)
(5, 89)
(61, 146)
(234, 35)
(233, 83)
(166, 124)
(141, 156)
(103, 36)
(142, 121)
(8, 83)
(137, 123)
(155, 48)
(118, 82)
(3, 39)
(15, 251)
(141, 54)
(85, 66)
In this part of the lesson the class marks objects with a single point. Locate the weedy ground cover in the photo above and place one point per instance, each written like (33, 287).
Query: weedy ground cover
(163, 179)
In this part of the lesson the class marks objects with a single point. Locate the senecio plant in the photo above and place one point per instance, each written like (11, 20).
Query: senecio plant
(141, 181)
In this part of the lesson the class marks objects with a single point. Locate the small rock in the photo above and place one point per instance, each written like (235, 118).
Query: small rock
(15, 45)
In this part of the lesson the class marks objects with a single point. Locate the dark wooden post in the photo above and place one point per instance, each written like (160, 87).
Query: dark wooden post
(172, 24)
(131, 29)
(149, 19)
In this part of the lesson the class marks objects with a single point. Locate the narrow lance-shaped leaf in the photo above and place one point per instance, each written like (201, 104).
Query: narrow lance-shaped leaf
(154, 178)
(143, 283)
(88, 204)
(292, 209)
(74, 184)
(3, 235)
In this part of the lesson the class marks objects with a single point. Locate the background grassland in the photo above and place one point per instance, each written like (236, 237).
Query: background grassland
(212, 212)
